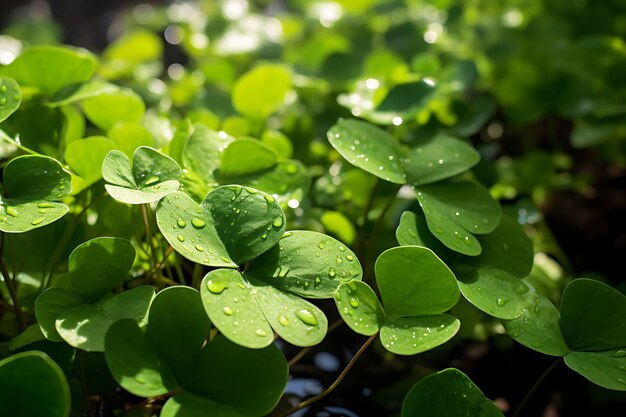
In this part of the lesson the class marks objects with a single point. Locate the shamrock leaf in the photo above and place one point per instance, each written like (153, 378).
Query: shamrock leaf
(231, 226)
(245, 310)
(82, 313)
(169, 354)
(33, 385)
(10, 97)
(33, 185)
(261, 91)
(151, 177)
(107, 109)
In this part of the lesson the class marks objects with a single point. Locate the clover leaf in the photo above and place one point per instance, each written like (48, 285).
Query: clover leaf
(106, 109)
(455, 210)
(10, 97)
(261, 91)
(33, 385)
(246, 310)
(85, 157)
(81, 313)
(447, 393)
(151, 177)
(416, 287)
(169, 354)
(245, 156)
(231, 226)
(33, 185)
(50, 68)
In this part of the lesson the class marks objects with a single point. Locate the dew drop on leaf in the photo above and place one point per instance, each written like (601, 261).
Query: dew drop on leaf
(307, 317)
(619, 353)
(199, 248)
(331, 273)
(228, 311)
(45, 205)
(319, 245)
(278, 221)
(198, 223)
(37, 221)
(260, 332)
(180, 238)
(354, 303)
(215, 287)
(11, 211)
(284, 321)
(181, 223)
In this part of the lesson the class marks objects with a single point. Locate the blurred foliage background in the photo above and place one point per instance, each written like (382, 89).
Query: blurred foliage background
(538, 87)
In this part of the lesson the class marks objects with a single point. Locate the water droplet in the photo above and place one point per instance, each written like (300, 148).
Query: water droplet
(350, 257)
(181, 223)
(199, 248)
(621, 381)
(331, 273)
(3, 101)
(502, 301)
(282, 271)
(181, 238)
(484, 221)
(318, 280)
(352, 287)
(468, 241)
(37, 221)
(45, 205)
(536, 344)
(307, 317)
(264, 236)
(321, 245)
(621, 367)
(283, 320)
(11, 211)
(3, 89)
(619, 353)
(151, 180)
(215, 287)
(228, 311)
(278, 221)
(240, 285)
(198, 223)
(260, 332)
(354, 303)
(339, 260)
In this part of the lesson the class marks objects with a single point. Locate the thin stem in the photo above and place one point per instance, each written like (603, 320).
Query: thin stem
(84, 384)
(12, 291)
(296, 358)
(535, 387)
(17, 144)
(145, 403)
(334, 385)
(159, 265)
(146, 223)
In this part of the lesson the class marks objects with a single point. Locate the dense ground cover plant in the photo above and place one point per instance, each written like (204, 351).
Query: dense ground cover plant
(168, 233)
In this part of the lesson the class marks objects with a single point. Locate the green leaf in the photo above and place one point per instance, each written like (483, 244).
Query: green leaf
(85, 326)
(85, 157)
(369, 148)
(77, 92)
(10, 97)
(49, 306)
(307, 263)
(455, 211)
(294, 319)
(412, 335)
(592, 316)
(359, 307)
(107, 109)
(538, 328)
(152, 176)
(447, 393)
(33, 385)
(278, 142)
(404, 101)
(98, 265)
(229, 303)
(413, 231)
(261, 91)
(178, 345)
(50, 68)
(200, 243)
(438, 158)
(232, 381)
(33, 183)
(413, 281)
(493, 291)
(135, 362)
(249, 222)
(245, 156)
(203, 151)
(129, 136)
(607, 368)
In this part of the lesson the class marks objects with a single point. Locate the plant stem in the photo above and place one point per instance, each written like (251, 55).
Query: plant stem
(17, 144)
(296, 358)
(334, 385)
(146, 224)
(84, 384)
(146, 402)
(12, 291)
(535, 387)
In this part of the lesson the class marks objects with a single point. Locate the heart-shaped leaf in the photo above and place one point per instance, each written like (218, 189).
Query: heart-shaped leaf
(413, 335)
(85, 326)
(85, 157)
(151, 177)
(107, 109)
(33, 385)
(447, 393)
(202, 153)
(359, 307)
(33, 184)
(307, 263)
(10, 97)
(245, 310)
(592, 316)
(538, 327)
(413, 281)
(50, 68)
(604, 368)
(413, 231)
(455, 211)
(494, 291)
(220, 378)
(246, 156)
